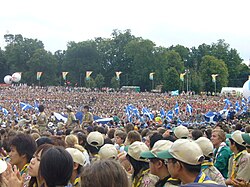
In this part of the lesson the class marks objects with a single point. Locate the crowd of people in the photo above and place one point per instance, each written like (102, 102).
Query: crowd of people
(38, 149)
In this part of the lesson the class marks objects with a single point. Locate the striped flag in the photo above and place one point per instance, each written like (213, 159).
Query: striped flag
(118, 73)
(64, 74)
(88, 73)
(38, 75)
(189, 109)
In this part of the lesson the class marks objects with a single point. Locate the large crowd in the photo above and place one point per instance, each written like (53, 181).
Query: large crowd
(39, 149)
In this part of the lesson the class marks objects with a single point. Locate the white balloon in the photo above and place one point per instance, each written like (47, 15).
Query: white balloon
(246, 89)
(16, 77)
(8, 79)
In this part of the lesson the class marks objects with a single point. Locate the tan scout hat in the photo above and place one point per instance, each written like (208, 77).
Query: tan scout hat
(181, 132)
(108, 151)
(135, 149)
(78, 156)
(160, 145)
(95, 139)
(206, 146)
(184, 150)
(236, 136)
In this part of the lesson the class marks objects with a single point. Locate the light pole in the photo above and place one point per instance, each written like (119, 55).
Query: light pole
(187, 72)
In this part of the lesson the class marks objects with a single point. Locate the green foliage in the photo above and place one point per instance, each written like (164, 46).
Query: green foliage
(134, 56)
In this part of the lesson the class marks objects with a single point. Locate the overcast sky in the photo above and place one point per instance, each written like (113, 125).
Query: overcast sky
(165, 22)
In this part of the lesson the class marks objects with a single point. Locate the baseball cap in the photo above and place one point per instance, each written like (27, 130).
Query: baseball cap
(78, 156)
(3, 166)
(135, 149)
(69, 107)
(184, 150)
(95, 139)
(246, 137)
(206, 146)
(181, 132)
(236, 136)
(108, 151)
(159, 146)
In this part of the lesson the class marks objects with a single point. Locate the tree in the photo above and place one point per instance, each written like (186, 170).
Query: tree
(171, 80)
(115, 83)
(4, 70)
(99, 80)
(90, 83)
(211, 65)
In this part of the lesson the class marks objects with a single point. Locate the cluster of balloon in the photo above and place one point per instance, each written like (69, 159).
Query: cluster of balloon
(16, 77)
(246, 89)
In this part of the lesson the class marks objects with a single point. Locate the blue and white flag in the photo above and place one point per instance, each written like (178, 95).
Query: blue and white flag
(129, 114)
(146, 112)
(25, 106)
(237, 106)
(176, 109)
(189, 109)
(163, 113)
(243, 102)
(175, 93)
(170, 115)
(134, 110)
(36, 105)
(4, 111)
(211, 117)
(60, 117)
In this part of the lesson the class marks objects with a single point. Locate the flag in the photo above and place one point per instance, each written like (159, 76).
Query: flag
(189, 109)
(182, 76)
(151, 76)
(4, 111)
(175, 93)
(214, 77)
(36, 105)
(237, 106)
(163, 113)
(14, 110)
(60, 117)
(88, 73)
(38, 75)
(146, 112)
(118, 75)
(211, 117)
(245, 108)
(243, 102)
(25, 106)
(176, 109)
(227, 103)
(170, 115)
(64, 74)
(128, 113)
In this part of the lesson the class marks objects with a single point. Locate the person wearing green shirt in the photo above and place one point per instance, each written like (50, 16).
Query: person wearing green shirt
(222, 152)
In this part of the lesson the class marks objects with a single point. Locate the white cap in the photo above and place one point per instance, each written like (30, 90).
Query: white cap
(108, 151)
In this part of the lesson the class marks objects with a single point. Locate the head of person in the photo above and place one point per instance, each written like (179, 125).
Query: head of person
(22, 148)
(237, 143)
(43, 140)
(108, 151)
(246, 138)
(134, 156)
(86, 108)
(154, 138)
(71, 140)
(104, 173)
(157, 165)
(41, 108)
(218, 136)
(132, 137)
(206, 147)
(184, 158)
(196, 134)
(129, 127)
(56, 167)
(181, 132)
(69, 108)
(94, 142)
(120, 137)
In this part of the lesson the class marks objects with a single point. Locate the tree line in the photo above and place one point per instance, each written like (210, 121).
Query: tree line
(134, 56)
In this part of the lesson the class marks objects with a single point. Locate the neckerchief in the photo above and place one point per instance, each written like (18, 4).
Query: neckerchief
(138, 183)
(201, 178)
(236, 157)
(206, 164)
(77, 180)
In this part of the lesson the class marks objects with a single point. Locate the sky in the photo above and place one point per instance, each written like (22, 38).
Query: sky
(165, 22)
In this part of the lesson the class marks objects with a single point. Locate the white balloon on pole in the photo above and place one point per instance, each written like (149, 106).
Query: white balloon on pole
(16, 77)
(246, 89)
(8, 79)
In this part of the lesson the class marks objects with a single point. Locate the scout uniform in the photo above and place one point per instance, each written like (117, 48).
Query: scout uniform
(70, 120)
(42, 121)
(239, 164)
(144, 179)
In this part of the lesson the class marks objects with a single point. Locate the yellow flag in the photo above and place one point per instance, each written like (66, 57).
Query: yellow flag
(182, 76)
(151, 76)
(88, 73)
(64, 74)
(38, 75)
(214, 77)
(118, 75)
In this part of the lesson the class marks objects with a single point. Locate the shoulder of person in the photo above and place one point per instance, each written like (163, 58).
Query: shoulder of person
(149, 180)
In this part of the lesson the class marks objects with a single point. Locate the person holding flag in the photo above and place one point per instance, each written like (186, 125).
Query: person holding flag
(42, 119)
